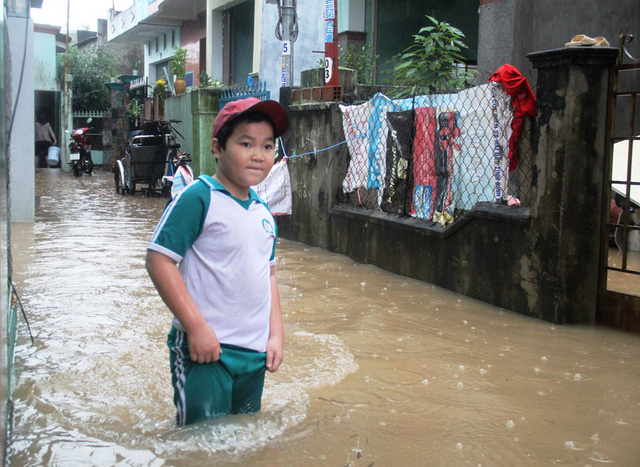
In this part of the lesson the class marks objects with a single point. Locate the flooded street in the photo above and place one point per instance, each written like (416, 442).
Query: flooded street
(379, 369)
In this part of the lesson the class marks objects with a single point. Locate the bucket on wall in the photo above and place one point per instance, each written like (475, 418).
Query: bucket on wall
(53, 156)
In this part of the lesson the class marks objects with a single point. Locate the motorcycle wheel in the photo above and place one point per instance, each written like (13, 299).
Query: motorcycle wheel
(76, 170)
(87, 165)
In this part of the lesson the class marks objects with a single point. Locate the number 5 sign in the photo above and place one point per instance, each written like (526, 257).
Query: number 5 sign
(286, 47)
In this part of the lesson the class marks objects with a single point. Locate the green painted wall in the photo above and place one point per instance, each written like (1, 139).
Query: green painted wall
(7, 310)
(44, 62)
(196, 111)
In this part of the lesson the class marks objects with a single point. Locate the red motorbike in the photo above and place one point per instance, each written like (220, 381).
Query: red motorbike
(80, 152)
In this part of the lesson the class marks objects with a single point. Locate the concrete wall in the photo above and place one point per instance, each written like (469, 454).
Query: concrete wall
(310, 38)
(540, 261)
(510, 29)
(21, 150)
(7, 308)
(44, 61)
(495, 42)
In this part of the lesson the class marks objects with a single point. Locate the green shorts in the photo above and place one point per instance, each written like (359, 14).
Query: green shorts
(231, 385)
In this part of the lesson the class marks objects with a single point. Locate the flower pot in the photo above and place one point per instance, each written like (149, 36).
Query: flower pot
(180, 86)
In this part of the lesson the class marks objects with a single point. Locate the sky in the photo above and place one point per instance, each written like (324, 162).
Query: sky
(84, 14)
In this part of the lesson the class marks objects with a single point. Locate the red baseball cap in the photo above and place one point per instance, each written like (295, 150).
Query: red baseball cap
(236, 108)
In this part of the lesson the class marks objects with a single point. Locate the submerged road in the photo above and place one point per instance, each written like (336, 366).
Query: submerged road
(379, 369)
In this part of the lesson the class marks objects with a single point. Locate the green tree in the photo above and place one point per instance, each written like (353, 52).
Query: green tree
(360, 59)
(90, 69)
(434, 62)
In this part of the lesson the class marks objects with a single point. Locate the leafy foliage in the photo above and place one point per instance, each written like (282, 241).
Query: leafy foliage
(90, 68)
(434, 62)
(135, 110)
(178, 62)
(360, 59)
(205, 81)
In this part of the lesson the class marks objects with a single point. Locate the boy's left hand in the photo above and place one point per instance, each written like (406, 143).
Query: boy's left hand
(274, 354)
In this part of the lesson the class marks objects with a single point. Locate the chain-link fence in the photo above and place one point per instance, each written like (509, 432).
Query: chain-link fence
(434, 157)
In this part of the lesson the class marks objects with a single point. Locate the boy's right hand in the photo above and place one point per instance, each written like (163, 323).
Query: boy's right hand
(203, 345)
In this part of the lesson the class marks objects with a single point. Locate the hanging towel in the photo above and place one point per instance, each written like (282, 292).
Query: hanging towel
(275, 190)
(523, 103)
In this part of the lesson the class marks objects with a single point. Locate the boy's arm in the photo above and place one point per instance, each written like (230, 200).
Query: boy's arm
(203, 343)
(276, 327)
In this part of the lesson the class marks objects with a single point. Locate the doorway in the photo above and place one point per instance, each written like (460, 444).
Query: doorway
(619, 291)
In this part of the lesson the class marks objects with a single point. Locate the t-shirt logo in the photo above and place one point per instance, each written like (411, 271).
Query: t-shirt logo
(268, 227)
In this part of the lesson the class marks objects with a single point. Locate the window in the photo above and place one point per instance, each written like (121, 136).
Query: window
(18, 7)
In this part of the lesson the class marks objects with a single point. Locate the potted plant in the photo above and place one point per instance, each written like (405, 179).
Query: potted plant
(177, 65)
(136, 67)
(159, 91)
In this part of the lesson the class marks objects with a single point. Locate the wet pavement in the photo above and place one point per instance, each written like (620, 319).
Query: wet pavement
(379, 369)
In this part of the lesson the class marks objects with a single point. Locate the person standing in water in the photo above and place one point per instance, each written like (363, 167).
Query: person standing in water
(227, 328)
(44, 137)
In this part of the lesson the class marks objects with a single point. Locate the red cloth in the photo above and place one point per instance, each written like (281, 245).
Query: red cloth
(523, 103)
(614, 213)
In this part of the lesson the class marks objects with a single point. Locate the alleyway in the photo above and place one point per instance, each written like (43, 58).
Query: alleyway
(379, 369)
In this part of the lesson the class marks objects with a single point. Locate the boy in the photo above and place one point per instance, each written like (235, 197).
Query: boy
(227, 326)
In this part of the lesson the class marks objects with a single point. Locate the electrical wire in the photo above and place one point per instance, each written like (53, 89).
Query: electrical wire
(24, 314)
(293, 33)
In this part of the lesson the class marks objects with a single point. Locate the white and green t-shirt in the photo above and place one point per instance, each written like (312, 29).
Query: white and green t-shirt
(225, 248)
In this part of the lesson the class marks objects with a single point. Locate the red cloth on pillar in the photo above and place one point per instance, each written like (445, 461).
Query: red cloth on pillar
(523, 102)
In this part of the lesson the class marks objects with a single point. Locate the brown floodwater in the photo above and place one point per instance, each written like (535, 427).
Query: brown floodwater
(379, 369)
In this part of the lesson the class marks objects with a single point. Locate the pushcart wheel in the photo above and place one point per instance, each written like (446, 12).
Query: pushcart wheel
(116, 181)
(119, 178)
(128, 180)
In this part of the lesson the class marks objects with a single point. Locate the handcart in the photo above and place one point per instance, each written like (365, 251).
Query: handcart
(151, 159)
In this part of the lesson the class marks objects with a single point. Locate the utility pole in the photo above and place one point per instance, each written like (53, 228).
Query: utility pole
(330, 43)
(65, 97)
(287, 32)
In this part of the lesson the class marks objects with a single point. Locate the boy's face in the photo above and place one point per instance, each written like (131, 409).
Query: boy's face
(247, 158)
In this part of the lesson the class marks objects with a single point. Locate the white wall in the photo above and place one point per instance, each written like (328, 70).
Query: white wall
(214, 44)
(21, 148)
(310, 39)
(351, 15)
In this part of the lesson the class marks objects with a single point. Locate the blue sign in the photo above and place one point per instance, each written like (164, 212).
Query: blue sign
(329, 9)
(328, 31)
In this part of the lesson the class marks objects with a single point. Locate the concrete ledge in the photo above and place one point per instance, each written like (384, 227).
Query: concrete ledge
(562, 57)
(498, 212)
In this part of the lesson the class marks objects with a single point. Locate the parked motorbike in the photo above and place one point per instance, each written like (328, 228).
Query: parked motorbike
(80, 151)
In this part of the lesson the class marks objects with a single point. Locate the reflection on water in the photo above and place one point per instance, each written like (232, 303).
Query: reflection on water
(378, 368)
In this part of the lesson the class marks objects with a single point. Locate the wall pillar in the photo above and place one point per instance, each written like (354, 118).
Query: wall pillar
(204, 108)
(116, 149)
(561, 273)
